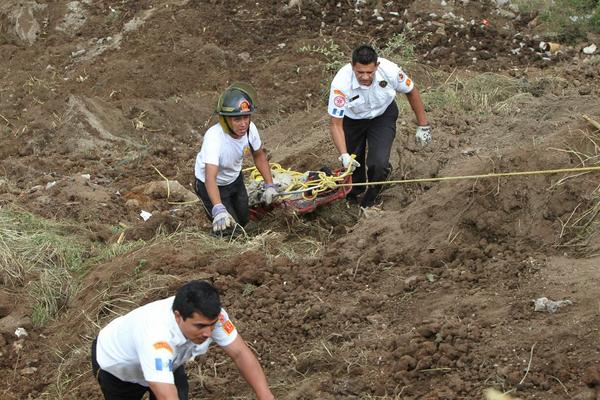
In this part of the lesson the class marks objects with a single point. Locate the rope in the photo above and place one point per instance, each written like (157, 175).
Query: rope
(482, 176)
(311, 189)
(300, 184)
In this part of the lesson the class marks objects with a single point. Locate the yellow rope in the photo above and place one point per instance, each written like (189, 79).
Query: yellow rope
(313, 187)
(482, 176)
(325, 182)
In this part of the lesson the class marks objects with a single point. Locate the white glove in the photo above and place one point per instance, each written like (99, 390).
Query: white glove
(269, 194)
(349, 162)
(423, 135)
(221, 218)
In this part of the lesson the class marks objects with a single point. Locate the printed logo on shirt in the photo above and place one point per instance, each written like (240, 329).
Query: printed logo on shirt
(163, 365)
(338, 112)
(339, 101)
(246, 151)
(338, 93)
(383, 84)
(228, 327)
(163, 345)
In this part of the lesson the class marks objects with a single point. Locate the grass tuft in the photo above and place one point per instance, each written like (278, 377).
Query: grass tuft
(40, 255)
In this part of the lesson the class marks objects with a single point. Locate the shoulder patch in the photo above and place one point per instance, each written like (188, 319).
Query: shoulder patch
(383, 84)
(338, 93)
(339, 101)
(163, 345)
(228, 327)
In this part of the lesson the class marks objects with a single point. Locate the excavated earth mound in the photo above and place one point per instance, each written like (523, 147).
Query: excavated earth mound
(103, 105)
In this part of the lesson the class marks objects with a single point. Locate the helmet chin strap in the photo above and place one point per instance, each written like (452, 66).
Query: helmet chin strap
(227, 128)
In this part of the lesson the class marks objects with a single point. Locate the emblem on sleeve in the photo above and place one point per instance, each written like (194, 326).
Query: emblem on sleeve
(401, 76)
(408, 82)
(383, 84)
(163, 345)
(338, 93)
(163, 365)
(339, 101)
(228, 327)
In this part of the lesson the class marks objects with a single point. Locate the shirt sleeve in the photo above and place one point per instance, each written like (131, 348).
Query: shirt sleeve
(338, 95)
(156, 360)
(224, 332)
(254, 137)
(211, 148)
(402, 83)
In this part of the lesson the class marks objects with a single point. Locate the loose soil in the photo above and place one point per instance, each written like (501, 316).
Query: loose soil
(431, 298)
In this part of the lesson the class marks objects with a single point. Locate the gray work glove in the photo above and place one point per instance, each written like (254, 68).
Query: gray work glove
(423, 135)
(221, 218)
(349, 162)
(270, 194)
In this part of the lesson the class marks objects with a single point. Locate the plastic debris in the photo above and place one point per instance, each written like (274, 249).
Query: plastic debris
(544, 304)
(21, 333)
(591, 49)
(49, 185)
(145, 215)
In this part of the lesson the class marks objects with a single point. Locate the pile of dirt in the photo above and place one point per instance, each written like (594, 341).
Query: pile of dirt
(103, 106)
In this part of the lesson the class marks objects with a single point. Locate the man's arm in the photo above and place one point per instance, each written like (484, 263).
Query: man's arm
(336, 129)
(249, 367)
(164, 391)
(212, 189)
(262, 164)
(414, 99)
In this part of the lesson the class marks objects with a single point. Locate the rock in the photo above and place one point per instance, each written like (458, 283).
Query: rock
(28, 371)
(11, 322)
(589, 50)
(411, 282)
(551, 306)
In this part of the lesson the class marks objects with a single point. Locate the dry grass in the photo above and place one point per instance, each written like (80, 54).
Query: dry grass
(580, 227)
(41, 256)
(482, 94)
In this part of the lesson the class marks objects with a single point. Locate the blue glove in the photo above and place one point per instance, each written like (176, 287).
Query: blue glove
(221, 218)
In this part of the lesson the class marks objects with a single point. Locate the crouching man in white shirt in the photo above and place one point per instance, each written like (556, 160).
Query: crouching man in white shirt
(218, 169)
(146, 349)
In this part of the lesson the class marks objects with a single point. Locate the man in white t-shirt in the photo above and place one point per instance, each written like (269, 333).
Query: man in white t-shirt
(146, 349)
(363, 114)
(219, 181)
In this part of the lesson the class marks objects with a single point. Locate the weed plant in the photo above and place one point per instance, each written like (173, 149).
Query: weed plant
(42, 256)
(564, 20)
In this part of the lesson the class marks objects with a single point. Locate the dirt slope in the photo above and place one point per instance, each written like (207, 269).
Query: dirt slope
(430, 299)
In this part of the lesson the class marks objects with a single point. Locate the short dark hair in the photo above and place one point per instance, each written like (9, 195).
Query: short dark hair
(364, 54)
(197, 297)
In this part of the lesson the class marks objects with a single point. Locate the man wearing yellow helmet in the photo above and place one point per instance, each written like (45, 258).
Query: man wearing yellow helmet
(219, 181)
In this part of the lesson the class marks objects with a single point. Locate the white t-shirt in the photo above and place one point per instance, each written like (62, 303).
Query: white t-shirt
(146, 345)
(347, 97)
(221, 149)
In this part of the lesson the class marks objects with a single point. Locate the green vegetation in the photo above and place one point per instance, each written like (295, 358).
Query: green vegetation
(565, 20)
(399, 49)
(41, 255)
(333, 53)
